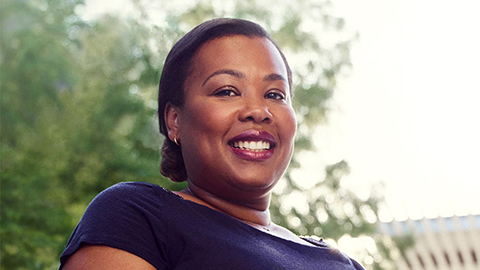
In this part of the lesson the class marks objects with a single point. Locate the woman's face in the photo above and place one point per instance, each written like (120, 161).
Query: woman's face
(237, 124)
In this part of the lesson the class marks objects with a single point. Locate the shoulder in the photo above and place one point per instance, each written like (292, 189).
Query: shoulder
(123, 205)
(319, 242)
(121, 217)
(129, 202)
(127, 190)
(128, 194)
(357, 265)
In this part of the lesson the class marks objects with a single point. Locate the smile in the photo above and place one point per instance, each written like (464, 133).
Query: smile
(251, 145)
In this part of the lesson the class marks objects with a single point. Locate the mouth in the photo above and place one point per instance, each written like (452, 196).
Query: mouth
(253, 144)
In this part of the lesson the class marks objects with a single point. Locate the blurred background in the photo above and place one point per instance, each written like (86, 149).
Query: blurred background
(385, 94)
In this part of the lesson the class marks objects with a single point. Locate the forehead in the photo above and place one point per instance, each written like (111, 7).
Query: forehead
(238, 52)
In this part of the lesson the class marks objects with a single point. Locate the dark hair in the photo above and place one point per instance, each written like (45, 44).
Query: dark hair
(175, 72)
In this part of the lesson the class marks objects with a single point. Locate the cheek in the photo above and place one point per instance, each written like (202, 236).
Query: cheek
(289, 124)
(206, 120)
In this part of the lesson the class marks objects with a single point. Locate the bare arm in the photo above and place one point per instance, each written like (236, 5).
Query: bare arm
(105, 257)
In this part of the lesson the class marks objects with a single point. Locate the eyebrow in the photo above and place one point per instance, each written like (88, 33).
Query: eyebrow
(232, 72)
(274, 77)
(268, 78)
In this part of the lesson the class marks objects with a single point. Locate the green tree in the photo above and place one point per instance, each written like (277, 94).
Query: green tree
(74, 121)
(35, 66)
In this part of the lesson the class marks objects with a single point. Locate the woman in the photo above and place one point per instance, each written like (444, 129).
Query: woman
(225, 109)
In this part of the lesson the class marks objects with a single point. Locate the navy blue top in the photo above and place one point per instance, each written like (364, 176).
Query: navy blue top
(172, 233)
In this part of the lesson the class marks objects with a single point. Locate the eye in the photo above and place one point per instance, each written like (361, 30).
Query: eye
(226, 92)
(275, 95)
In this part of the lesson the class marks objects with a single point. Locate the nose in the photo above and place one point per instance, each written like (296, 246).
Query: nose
(256, 110)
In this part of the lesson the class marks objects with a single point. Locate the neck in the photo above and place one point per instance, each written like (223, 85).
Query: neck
(254, 211)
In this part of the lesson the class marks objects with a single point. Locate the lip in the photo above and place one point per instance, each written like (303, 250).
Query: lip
(254, 135)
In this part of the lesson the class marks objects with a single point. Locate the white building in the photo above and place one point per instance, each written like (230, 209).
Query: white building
(450, 243)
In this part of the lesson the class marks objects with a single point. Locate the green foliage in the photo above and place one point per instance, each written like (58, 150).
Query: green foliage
(78, 114)
(73, 120)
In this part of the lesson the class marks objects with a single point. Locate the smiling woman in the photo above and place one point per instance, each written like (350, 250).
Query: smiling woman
(235, 107)
(225, 109)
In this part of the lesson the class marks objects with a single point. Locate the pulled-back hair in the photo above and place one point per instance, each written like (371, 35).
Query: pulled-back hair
(175, 72)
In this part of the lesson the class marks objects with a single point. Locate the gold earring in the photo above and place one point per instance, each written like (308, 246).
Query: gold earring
(175, 140)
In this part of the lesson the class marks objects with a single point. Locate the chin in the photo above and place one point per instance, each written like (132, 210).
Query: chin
(255, 183)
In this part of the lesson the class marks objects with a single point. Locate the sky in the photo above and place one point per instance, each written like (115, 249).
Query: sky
(406, 114)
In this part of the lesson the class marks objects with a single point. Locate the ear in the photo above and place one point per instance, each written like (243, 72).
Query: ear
(172, 121)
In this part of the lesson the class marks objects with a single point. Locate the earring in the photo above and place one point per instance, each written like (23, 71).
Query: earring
(175, 140)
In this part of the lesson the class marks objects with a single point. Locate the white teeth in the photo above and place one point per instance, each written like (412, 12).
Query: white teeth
(252, 145)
